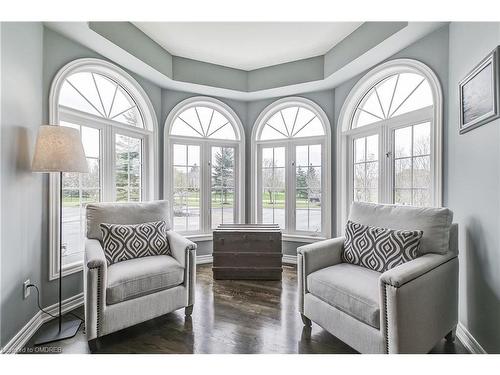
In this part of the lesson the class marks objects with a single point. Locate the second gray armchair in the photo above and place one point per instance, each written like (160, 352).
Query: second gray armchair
(406, 309)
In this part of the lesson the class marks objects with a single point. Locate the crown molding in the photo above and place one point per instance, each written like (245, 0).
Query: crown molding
(126, 45)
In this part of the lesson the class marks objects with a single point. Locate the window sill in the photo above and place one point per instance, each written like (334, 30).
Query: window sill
(198, 237)
(286, 237)
(302, 238)
(67, 270)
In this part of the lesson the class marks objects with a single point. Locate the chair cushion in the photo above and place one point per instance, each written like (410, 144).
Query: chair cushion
(137, 277)
(434, 222)
(379, 249)
(349, 288)
(123, 242)
(124, 213)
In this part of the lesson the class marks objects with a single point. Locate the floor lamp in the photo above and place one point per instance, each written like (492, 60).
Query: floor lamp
(59, 149)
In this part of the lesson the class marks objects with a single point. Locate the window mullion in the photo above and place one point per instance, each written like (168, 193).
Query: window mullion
(290, 189)
(387, 172)
(205, 206)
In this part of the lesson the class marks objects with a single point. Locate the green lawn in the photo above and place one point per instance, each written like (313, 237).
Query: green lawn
(280, 201)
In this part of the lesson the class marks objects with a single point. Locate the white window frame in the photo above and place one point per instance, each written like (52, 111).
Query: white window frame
(289, 233)
(108, 128)
(385, 130)
(205, 231)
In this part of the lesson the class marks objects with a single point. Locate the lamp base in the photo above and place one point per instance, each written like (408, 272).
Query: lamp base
(51, 332)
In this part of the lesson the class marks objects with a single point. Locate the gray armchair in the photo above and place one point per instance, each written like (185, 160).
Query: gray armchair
(406, 309)
(133, 291)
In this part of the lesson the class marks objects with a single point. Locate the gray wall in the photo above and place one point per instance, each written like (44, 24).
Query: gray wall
(473, 177)
(23, 192)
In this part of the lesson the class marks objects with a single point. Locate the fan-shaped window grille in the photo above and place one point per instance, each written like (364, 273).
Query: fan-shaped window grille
(203, 122)
(398, 94)
(292, 122)
(100, 96)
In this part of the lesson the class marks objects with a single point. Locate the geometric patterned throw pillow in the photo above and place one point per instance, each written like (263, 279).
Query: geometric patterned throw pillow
(379, 249)
(123, 242)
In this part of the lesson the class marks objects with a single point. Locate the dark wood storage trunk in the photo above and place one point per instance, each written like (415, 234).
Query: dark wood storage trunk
(247, 251)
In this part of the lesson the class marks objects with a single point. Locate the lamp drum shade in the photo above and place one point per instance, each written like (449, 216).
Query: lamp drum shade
(59, 149)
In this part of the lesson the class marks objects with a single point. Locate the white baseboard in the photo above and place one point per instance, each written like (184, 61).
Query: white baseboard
(468, 340)
(204, 259)
(23, 336)
(289, 259)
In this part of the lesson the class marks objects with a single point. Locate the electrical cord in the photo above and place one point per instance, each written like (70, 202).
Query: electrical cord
(45, 311)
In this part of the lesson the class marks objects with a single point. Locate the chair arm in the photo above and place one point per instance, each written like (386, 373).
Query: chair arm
(95, 281)
(408, 271)
(321, 254)
(184, 251)
(94, 254)
(419, 303)
(179, 246)
(313, 257)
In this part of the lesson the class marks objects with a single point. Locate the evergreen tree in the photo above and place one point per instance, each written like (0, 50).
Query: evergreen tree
(222, 171)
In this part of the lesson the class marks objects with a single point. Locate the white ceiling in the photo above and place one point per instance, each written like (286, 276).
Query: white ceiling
(249, 45)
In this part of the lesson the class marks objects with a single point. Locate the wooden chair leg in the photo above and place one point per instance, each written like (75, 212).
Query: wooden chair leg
(188, 310)
(450, 336)
(93, 345)
(307, 322)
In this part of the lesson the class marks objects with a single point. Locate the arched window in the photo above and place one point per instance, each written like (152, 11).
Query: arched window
(117, 125)
(204, 165)
(390, 138)
(291, 183)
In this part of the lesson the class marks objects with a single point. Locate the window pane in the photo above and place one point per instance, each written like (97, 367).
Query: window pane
(302, 157)
(279, 208)
(402, 173)
(422, 139)
(315, 155)
(180, 155)
(422, 172)
(359, 175)
(372, 147)
(359, 150)
(193, 156)
(180, 210)
(402, 196)
(402, 142)
(223, 180)
(91, 179)
(371, 180)
(128, 168)
(90, 141)
(421, 197)
(279, 156)
(302, 210)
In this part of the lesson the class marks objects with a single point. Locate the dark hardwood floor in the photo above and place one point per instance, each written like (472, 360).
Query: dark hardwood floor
(229, 317)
